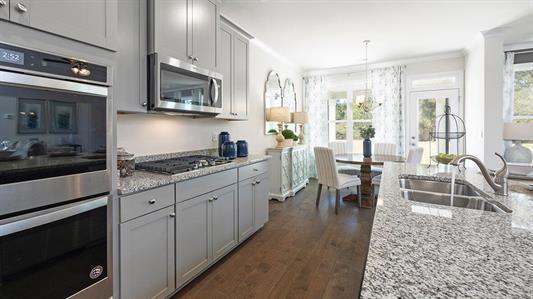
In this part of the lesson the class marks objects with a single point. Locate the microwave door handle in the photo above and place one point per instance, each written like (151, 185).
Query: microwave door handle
(214, 99)
(40, 218)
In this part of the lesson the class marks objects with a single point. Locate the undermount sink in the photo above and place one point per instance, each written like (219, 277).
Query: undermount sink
(437, 192)
(437, 186)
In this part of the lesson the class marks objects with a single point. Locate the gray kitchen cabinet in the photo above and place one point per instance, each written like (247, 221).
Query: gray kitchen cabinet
(186, 30)
(205, 21)
(4, 9)
(246, 208)
(261, 189)
(131, 73)
(193, 242)
(169, 28)
(147, 255)
(234, 66)
(206, 229)
(92, 22)
(225, 221)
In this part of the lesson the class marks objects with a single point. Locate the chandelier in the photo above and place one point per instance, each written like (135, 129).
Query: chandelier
(366, 103)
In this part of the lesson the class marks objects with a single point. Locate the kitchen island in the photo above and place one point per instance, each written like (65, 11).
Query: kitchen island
(420, 250)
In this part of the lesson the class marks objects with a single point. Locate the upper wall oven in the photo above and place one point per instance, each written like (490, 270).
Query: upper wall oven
(177, 86)
(54, 130)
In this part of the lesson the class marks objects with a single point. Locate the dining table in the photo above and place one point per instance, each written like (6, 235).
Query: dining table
(366, 172)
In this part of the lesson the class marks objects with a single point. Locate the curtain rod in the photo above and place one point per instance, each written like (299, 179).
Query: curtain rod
(521, 51)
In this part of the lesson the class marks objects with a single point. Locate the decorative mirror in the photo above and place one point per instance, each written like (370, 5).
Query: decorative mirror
(289, 99)
(273, 98)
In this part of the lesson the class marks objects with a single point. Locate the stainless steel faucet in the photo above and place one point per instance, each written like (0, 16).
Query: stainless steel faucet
(499, 183)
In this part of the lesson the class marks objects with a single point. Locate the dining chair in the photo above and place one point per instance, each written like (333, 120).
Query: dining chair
(328, 175)
(384, 148)
(340, 147)
(414, 156)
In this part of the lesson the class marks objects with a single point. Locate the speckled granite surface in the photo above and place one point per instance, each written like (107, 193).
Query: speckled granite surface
(143, 180)
(421, 250)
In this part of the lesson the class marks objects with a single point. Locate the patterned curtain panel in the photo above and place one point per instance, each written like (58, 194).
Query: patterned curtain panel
(508, 87)
(315, 104)
(388, 88)
(508, 91)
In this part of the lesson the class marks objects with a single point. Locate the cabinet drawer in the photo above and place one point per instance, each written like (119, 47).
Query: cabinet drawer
(198, 186)
(135, 205)
(249, 171)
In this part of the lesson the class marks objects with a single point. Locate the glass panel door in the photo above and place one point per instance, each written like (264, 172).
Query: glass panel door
(425, 108)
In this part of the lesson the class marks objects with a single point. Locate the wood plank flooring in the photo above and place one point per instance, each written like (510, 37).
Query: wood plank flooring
(302, 252)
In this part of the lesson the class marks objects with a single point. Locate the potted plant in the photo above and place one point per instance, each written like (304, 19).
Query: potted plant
(290, 137)
(367, 132)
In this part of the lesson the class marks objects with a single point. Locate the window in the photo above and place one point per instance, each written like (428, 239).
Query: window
(346, 117)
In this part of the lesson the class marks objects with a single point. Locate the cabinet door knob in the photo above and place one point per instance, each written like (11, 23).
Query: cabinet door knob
(144, 104)
(21, 8)
(259, 182)
(151, 201)
(215, 197)
(253, 183)
(3, 3)
(172, 215)
(211, 199)
(190, 57)
(195, 59)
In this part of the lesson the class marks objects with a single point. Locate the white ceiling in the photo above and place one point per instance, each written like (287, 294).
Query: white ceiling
(317, 34)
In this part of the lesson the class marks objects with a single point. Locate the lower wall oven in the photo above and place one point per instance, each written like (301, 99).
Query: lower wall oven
(57, 253)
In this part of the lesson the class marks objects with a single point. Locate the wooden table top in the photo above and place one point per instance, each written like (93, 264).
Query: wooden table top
(361, 160)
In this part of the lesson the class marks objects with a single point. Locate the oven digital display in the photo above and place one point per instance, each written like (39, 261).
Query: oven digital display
(10, 56)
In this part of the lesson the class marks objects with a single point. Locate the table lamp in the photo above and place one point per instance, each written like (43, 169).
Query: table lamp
(300, 118)
(518, 133)
(280, 115)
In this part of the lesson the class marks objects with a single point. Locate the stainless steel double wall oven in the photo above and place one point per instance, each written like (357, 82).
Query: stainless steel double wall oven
(55, 166)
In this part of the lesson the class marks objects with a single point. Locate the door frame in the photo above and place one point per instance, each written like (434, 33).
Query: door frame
(457, 84)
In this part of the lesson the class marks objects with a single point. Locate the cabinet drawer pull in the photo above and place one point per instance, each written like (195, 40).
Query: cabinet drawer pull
(172, 215)
(151, 201)
(3, 3)
(258, 182)
(253, 183)
(211, 199)
(215, 197)
(21, 8)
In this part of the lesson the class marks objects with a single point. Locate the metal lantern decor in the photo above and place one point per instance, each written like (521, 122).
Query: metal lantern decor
(448, 127)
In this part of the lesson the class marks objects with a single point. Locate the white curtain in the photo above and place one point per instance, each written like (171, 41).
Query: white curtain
(315, 104)
(508, 87)
(388, 119)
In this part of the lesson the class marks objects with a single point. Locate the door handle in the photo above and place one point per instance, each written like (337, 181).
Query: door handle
(213, 85)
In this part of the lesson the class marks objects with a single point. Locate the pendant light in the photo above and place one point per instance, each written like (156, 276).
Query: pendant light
(366, 103)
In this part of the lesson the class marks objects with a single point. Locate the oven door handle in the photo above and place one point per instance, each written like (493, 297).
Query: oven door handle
(24, 222)
(24, 80)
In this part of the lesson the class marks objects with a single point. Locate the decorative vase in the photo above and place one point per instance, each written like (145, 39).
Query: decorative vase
(242, 148)
(367, 148)
(229, 150)
(222, 137)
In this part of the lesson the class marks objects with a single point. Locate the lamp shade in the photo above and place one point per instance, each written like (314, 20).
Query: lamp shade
(279, 114)
(300, 117)
(513, 131)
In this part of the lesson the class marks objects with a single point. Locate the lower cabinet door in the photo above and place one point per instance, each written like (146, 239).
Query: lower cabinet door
(193, 237)
(147, 266)
(224, 220)
(246, 208)
(261, 200)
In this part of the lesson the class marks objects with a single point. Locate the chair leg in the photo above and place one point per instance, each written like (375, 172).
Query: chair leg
(319, 193)
(359, 196)
(337, 200)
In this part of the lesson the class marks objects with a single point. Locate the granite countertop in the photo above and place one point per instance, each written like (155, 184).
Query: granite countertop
(143, 180)
(422, 250)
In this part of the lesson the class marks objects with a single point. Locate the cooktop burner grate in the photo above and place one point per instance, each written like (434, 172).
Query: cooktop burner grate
(180, 164)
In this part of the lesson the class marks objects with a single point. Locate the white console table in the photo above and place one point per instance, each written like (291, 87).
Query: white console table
(288, 171)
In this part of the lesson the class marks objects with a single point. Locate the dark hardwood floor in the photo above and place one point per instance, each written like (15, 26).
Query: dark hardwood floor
(302, 252)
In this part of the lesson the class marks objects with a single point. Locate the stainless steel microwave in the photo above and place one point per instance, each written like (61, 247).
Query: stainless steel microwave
(177, 86)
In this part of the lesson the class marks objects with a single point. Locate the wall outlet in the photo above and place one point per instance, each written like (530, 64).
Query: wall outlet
(214, 137)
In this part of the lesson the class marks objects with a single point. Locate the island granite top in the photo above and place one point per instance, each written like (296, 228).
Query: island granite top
(143, 180)
(422, 250)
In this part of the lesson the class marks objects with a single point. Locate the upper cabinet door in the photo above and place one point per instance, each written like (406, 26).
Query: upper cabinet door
(240, 77)
(169, 28)
(93, 22)
(4, 9)
(205, 21)
(225, 56)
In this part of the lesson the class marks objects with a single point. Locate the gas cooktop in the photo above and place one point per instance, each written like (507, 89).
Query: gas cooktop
(180, 164)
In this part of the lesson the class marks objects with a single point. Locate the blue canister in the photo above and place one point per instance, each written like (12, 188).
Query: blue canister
(222, 137)
(229, 150)
(242, 148)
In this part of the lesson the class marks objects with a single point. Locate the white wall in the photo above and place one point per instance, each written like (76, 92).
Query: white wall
(435, 66)
(144, 134)
(484, 98)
